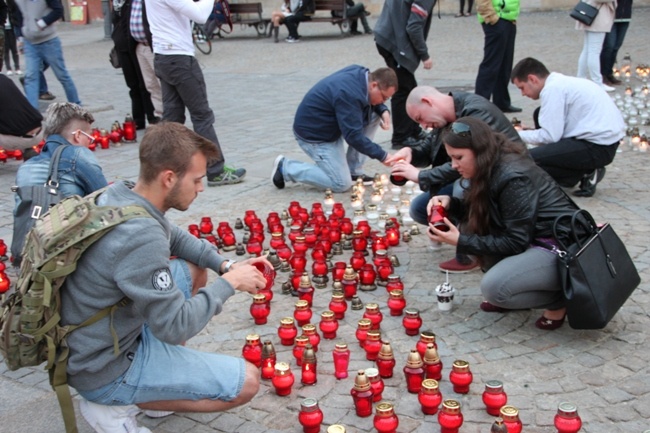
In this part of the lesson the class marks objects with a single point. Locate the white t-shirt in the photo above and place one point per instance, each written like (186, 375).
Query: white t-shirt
(170, 24)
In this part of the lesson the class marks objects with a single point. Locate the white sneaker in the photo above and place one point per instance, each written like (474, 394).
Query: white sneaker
(111, 419)
(608, 88)
(19, 72)
(158, 413)
(10, 72)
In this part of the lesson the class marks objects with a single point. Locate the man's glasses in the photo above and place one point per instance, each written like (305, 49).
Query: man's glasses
(88, 136)
(383, 95)
(461, 129)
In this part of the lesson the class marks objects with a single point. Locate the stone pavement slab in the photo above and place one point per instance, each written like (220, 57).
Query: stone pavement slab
(254, 87)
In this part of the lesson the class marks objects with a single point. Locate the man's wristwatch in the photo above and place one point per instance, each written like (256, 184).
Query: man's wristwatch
(228, 265)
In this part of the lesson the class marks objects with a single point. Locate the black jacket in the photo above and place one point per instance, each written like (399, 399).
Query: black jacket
(122, 27)
(433, 152)
(524, 203)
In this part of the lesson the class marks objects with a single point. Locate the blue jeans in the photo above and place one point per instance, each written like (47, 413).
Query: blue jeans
(419, 204)
(613, 42)
(196, 375)
(47, 52)
(334, 166)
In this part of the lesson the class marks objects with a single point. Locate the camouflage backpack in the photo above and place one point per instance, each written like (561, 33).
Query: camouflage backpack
(30, 329)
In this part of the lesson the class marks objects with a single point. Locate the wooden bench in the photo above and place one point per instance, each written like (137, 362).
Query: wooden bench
(325, 7)
(248, 14)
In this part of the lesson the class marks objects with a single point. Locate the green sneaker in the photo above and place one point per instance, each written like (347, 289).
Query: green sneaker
(229, 176)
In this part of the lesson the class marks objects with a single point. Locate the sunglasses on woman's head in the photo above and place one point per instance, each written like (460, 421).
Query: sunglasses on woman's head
(461, 129)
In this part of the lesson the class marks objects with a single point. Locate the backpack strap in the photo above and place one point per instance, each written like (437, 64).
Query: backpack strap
(53, 171)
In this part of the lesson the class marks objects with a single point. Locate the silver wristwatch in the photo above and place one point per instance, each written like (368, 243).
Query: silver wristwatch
(229, 264)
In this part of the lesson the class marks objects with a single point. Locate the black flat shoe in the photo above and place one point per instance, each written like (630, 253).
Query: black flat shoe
(511, 109)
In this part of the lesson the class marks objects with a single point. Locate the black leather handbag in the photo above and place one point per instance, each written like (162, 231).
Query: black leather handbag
(597, 273)
(585, 13)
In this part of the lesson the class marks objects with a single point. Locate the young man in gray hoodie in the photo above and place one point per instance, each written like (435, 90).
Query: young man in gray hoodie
(169, 299)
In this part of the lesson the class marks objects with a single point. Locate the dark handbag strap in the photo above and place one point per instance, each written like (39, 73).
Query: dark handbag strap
(578, 219)
(53, 171)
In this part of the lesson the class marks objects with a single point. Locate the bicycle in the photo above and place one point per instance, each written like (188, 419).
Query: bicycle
(201, 40)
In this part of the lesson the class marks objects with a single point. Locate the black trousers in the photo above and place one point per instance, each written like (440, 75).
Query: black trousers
(569, 159)
(141, 106)
(494, 71)
(292, 22)
(403, 126)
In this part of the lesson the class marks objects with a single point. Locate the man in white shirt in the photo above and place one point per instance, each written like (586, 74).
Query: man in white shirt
(181, 79)
(578, 126)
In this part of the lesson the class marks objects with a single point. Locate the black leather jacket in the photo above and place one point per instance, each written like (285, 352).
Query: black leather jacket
(524, 203)
(433, 153)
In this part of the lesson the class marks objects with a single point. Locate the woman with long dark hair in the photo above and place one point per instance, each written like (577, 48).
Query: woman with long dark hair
(507, 217)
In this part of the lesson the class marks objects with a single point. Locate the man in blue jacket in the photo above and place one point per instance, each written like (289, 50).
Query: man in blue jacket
(345, 106)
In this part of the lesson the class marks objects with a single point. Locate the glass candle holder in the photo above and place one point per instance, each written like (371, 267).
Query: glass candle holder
(338, 305)
(269, 275)
(268, 360)
(413, 372)
(206, 225)
(394, 283)
(282, 379)
(385, 360)
(494, 397)
(376, 383)
(357, 261)
(310, 416)
(450, 417)
(338, 271)
(429, 397)
(301, 342)
(432, 363)
(302, 313)
(372, 345)
(426, 337)
(306, 290)
(362, 395)
(510, 416)
(385, 420)
(460, 376)
(308, 366)
(341, 356)
(287, 331)
(412, 321)
(363, 326)
(252, 350)
(567, 419)
(373, 314)
(260, 309)
(350, 283)
(396, 302)
(310, 331)
(328, 325)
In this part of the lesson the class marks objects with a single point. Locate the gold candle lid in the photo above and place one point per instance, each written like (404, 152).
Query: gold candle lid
(431, 354)
(493, 386)
(412, 312)
(302, 305)
(386, 351)
(282, 368)
(384, 409)
(509, 413)
(337, 296)
(327, 315)
(252, 338)
(301, 340)
(287, 321)
(341, 346)
(349, 273)
(396, 294)
(430, 386)
(364, 324)
(372, 307)
(361, 382)
(427, 337)
(373, 335)
(394, 278)
(451, 407)
(259, 298)
(308, 329)
(460, 366)
(305, 281)
(414, 360)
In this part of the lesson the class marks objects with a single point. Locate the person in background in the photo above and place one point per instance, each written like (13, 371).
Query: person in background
(614, 41)
(277, 19)
(401, 36)
(470, 3)
(20, 123)
(10, 47)
(510, 205)
(577, 126)
(594, 36)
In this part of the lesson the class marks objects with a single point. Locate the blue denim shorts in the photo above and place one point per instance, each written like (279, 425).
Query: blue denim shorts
(161, 371)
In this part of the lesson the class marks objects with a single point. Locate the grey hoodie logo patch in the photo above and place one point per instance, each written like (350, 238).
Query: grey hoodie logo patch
(162, 279)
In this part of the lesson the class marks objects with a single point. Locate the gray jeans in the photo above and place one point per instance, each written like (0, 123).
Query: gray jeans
(183, 86)
(527, 280)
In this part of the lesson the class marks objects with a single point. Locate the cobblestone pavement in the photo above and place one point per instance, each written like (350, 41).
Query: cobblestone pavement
(254, 88)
